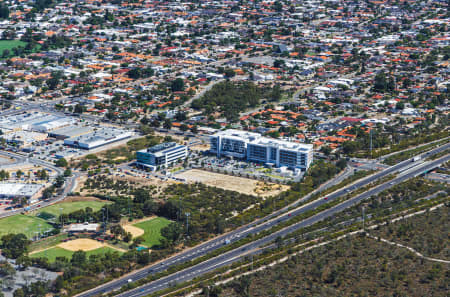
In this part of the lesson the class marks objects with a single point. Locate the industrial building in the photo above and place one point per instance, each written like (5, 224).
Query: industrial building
(34, 121)
(257, 148)
(163, 154)
(24, 138)
(12, 190)
(98, 138)
(71, 131)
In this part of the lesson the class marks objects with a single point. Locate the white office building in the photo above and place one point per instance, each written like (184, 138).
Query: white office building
(257, 148)
(161, 155)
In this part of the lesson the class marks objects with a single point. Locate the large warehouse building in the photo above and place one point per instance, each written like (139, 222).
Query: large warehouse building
(98, 138)
(12, 190)
(163, 154)
(34, 121)
(257, 148)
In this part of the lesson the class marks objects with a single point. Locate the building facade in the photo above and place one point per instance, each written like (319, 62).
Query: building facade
(257, 148)
(161, 155)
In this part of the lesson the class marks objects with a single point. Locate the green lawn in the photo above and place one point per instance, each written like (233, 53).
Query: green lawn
(27, 225)
(68, 207)
(152, 229)
(52, 253)
(9, 44)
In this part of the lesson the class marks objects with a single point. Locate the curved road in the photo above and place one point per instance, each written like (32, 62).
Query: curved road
(68, 186)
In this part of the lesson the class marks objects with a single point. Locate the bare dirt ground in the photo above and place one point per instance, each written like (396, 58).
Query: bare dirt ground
(200, 147)
(135, 231)
(84, 244)
(233, 183)
(79, 198)
(23, 168)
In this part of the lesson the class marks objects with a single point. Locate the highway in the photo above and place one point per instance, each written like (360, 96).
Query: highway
(248, 249)
(253, 228)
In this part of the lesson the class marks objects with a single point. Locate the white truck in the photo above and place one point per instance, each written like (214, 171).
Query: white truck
(416, 158)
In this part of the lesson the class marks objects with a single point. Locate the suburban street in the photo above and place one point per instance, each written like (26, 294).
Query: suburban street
(267, 223)
(69, 185)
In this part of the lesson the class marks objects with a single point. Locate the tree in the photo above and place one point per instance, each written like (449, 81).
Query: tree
(59, 181)
(326, 150)
(14, 245)
(229, 72)
(117, 230)
(277, 6)
(167, 124)
(275, 95)
(184, 127)
(78, 108)
(4, 11)
(278, 63)
(341, 164)
(42, 174)
(400, 105)
(19, 173)
(67, 172)
(141, 195)
(180, 116)
(61, 162)
(172, 231)
(48, 192)
(78, 258)
(6, 53)
(6, 269)
(177, 85)
(52, 83)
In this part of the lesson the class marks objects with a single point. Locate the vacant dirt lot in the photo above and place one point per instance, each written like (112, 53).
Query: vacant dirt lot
(137, 180)
(233, 183)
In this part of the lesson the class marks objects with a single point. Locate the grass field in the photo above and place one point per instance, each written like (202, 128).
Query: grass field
(68, 207)
(9, 44)
(152, 230)
(23, 224)
(52, 253)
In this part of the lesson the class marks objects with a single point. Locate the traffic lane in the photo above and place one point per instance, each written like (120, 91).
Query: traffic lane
(245, 230)
(206, 248)
(230, 257)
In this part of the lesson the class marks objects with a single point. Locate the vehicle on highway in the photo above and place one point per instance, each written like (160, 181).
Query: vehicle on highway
(325, 198)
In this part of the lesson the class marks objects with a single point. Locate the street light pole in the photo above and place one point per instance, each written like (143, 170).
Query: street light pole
(363, 218)
(187, 222)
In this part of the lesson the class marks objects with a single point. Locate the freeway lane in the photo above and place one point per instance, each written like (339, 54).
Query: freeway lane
(239, 253)
(253, 228)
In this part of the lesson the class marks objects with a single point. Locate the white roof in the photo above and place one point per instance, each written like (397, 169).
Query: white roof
(13, 189)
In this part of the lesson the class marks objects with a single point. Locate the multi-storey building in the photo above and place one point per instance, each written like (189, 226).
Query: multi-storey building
(161, 155)
(254, 147)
